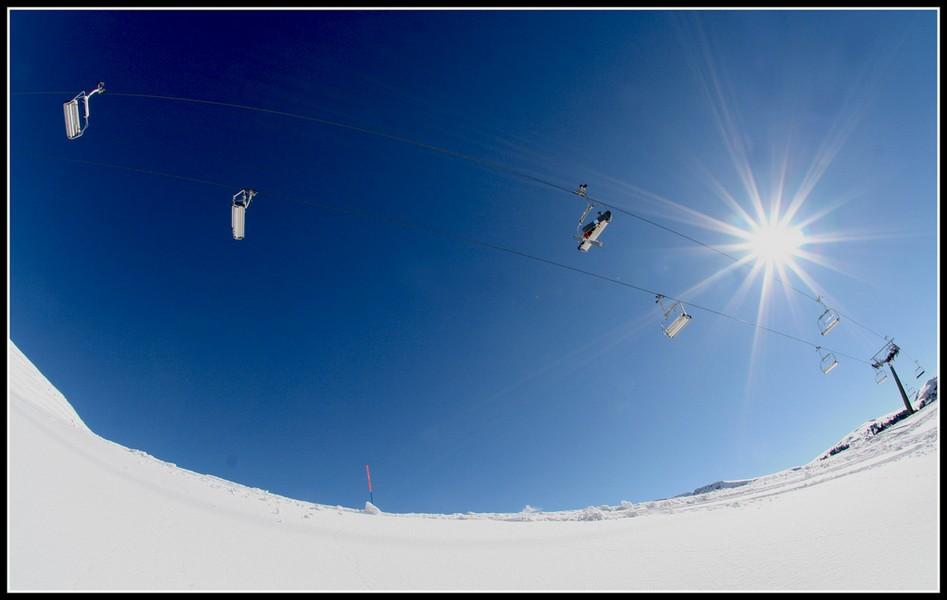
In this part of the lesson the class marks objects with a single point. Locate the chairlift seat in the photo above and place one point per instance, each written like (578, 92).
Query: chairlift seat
(71, 113)
(238, 212)
(828, 363)
(673, 326)
(677, 325)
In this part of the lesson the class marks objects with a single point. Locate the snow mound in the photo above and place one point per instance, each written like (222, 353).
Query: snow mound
(371, 508)
(720, 485)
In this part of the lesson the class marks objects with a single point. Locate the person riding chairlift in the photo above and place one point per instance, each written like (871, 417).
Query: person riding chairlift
(588, 229)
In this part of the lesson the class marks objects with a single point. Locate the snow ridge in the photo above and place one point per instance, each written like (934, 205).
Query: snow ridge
(27, 384)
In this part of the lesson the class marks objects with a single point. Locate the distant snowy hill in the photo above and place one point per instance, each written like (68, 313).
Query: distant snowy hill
(869, 429)
(88, 514)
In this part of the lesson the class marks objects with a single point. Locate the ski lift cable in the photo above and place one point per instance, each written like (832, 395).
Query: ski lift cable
(442, 233)
(148, 172)
(474, 241)
(446, 151)
(479, 161)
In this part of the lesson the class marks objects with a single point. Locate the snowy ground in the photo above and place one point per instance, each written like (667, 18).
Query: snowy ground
(87, 514)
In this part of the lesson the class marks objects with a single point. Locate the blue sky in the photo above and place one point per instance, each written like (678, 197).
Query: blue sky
(470, 379)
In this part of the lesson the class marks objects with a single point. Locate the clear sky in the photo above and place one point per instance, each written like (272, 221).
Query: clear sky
(469, 378)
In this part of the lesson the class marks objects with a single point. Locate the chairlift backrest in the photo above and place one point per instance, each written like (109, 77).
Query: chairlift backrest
(71, 112)
(238, 220)
(238, 211)
(677, 325)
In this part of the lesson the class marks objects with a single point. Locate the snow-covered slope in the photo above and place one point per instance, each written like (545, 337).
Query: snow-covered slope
(861, 434)
(26, 383)
(85, 513)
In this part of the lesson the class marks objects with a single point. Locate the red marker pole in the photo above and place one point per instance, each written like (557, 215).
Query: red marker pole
(368, 474)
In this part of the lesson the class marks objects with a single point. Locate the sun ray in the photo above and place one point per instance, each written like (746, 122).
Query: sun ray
(699, 286)
(820, 260)
(737, 300)
(852, 112)
(760, 314)
(802, 224)
(726, 196)
(780, 187)
(714, 90)
(836, 237)
(810, 283)
(696, 217)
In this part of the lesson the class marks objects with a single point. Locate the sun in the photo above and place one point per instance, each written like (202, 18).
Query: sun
(775, 244)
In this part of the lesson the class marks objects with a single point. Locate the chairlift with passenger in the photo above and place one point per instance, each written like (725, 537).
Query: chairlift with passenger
(241, 202)
(587, 235)
(70, 110)
(675, 317)
(827, 361)
(829, 318)
(886, 354)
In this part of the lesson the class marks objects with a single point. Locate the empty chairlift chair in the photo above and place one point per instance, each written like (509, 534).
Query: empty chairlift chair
(675, 317)
(918, 371)
(241, 202)
(880, 374)
(70, 109)
(829, 319)
(827, 361)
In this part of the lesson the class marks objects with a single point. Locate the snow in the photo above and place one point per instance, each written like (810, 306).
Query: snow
(88, 514)
(861, 434)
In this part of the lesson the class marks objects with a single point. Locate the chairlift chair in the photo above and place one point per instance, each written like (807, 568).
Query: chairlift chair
(887, 353)
(829, 319)
(675, 317)
(241, 202)
(827, 361)
(582, 190)
(70, 110)
(880, 374)
(918, 371)
(587, 235)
